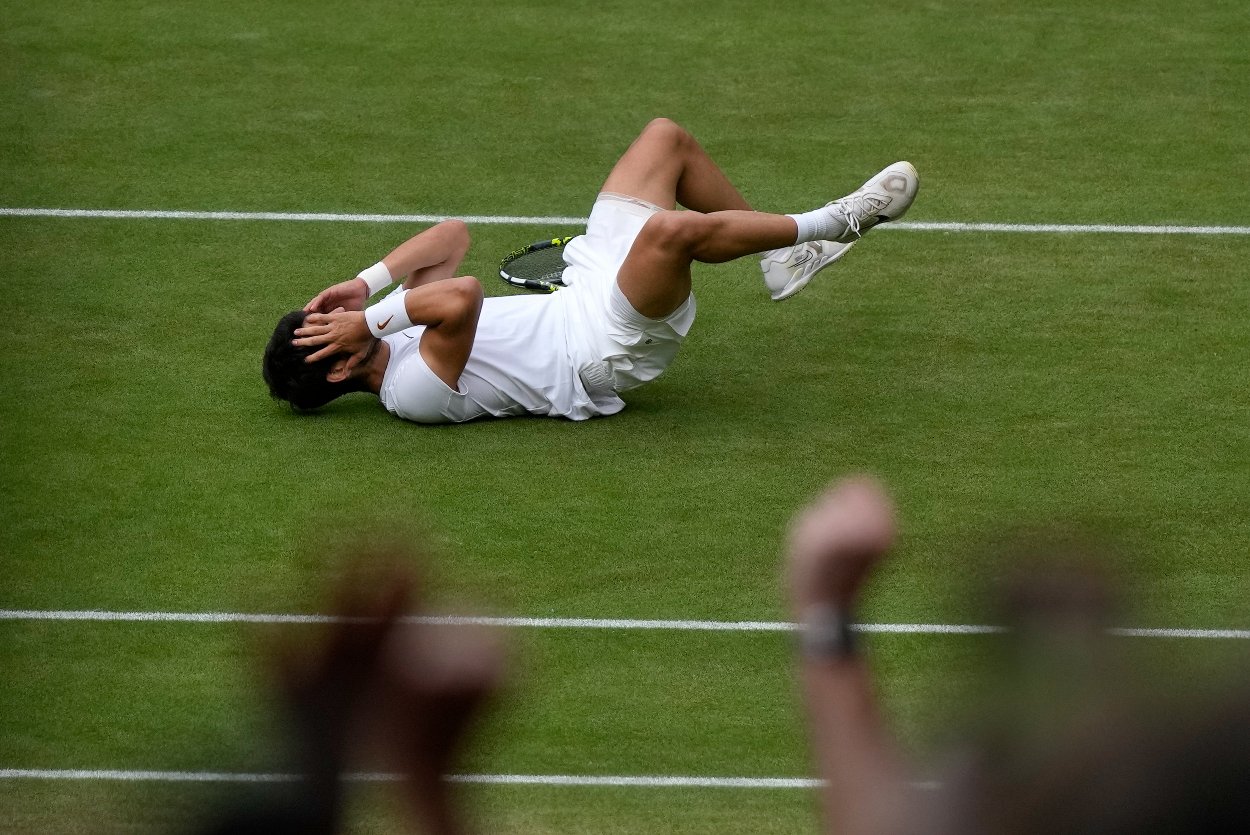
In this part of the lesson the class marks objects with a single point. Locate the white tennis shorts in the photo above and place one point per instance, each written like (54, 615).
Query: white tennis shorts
(604, 325)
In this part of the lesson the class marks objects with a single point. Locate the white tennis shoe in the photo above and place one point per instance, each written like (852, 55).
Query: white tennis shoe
(885, 197)
(787, 271)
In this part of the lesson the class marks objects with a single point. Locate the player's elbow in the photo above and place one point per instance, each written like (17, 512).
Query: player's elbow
(464, 299)
(468, 287)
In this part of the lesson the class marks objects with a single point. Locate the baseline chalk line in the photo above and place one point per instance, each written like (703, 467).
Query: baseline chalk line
(576, 623)
(522, 220)
(641, 781)
(629, 781)
(322, 217)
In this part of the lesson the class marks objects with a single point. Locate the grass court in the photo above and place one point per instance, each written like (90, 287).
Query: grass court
(991, 379)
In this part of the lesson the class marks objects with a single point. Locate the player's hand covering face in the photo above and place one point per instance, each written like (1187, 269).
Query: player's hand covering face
(339, 332)
(348, 295)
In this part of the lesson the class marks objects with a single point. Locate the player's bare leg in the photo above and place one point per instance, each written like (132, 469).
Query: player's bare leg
(667, 166)
(655, 277)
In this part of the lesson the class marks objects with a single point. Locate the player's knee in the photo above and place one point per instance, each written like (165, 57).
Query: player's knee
(458, 231)
(663, 124)
(667, 131)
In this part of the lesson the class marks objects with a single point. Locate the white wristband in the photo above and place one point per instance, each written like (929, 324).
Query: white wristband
(377, 277)
(389, 315)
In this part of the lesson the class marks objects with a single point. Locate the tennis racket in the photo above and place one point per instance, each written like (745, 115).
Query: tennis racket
(539, 266)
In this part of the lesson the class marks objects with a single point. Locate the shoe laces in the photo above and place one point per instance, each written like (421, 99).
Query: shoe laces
(855, 207)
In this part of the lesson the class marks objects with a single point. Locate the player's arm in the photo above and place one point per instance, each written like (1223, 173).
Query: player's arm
(834, 545)
(449, 309)
(432, 255)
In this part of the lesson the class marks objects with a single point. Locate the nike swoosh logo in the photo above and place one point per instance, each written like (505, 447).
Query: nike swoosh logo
(800, 261)
(382, 325)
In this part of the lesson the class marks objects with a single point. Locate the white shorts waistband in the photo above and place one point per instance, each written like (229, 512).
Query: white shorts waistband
(633, 205)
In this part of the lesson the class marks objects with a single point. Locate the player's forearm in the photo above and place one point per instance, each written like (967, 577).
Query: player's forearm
(431, 256)
(449, 310)
(438, 304)
(866, 789)
(442, 304)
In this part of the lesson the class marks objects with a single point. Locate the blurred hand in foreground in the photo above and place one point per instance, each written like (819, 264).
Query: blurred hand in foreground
(836, 542)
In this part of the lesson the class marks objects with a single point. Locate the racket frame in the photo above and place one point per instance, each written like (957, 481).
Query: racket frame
(538, 284)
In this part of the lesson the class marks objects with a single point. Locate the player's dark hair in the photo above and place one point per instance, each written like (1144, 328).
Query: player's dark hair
(302, 384)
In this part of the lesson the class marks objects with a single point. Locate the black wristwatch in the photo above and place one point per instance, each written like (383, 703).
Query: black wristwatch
(826, 634)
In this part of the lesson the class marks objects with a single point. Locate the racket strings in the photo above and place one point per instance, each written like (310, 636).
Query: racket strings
(540, 265)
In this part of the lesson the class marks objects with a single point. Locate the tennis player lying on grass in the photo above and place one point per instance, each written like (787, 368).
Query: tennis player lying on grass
(435, 352)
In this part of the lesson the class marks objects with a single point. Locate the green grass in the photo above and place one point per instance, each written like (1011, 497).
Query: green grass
(991, 380)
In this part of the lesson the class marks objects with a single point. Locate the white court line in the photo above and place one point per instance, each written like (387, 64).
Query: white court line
(520, 220)
(646, 781)
(161, 214)
(1068, 228)
(577, 623)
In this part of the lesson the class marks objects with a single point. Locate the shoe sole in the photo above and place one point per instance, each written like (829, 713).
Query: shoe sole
(791, 290)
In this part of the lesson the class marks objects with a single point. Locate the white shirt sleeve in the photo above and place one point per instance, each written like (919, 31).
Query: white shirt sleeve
(417, 394)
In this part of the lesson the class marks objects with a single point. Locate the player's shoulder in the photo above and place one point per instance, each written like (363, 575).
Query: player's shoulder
(413, 391)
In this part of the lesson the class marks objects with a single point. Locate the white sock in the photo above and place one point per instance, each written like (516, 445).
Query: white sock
(818, 225)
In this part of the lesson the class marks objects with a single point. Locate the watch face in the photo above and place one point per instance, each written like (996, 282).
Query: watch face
(827, 633)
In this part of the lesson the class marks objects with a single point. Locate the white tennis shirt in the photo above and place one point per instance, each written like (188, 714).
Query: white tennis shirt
(521, 364)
